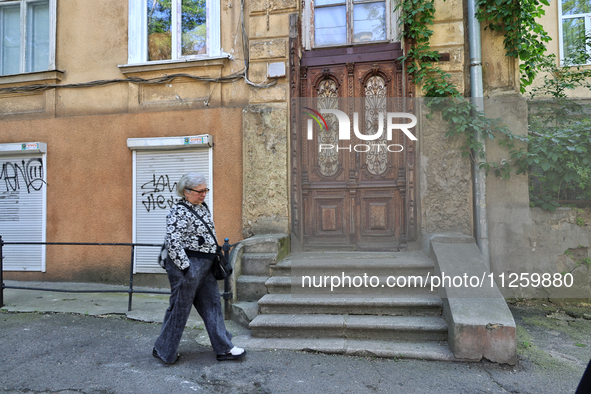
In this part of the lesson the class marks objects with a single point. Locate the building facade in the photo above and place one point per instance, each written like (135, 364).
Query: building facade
(104, 106)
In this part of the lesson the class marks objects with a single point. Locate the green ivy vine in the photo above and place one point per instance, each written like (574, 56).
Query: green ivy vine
(525, 38)
(416, 17)
(554, 172)
(461, 116)
(558, 158)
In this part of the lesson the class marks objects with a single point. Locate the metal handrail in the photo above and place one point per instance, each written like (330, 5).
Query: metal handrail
(226, 295)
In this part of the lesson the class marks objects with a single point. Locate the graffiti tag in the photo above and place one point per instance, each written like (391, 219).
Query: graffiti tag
(156, 193)
(27, 174)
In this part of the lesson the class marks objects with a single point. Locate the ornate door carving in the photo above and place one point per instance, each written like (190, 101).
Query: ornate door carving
(356, 196)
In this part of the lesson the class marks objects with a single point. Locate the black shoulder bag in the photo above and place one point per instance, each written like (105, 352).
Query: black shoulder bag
(221, 267)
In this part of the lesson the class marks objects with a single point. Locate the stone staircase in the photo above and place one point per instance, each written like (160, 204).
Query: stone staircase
(250, 285)
(252, 268)
(375, 320)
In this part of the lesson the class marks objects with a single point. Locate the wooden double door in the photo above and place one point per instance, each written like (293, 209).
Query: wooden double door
(355, 194)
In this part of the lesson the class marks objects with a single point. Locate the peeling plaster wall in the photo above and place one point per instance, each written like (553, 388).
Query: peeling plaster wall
(266, 200)
(445, 182)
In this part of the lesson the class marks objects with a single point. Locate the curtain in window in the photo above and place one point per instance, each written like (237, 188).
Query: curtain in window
(37, 37)
(330, 25)
(11, 39)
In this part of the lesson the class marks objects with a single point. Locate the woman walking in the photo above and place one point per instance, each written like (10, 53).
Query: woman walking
(191, 250)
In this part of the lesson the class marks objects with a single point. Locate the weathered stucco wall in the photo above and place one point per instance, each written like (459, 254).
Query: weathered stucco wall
(265, 129)
(89, 183)
(266, 199)
(546, 242)
(445, 190)
(86, 129)
(561, 243)
(507, 199)
(529, 240)
(449, 37)
(499, 72)
(445, 180)
(89, 164)
(89, 47)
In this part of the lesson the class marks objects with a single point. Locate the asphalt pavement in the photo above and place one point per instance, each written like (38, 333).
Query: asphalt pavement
(60, 342)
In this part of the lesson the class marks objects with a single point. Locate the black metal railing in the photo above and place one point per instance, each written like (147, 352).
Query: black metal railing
(226, 295)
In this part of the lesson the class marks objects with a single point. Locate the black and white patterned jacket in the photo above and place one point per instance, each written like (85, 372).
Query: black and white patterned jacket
(185, 231)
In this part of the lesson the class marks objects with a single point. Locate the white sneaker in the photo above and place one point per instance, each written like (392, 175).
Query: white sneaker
(236, 353)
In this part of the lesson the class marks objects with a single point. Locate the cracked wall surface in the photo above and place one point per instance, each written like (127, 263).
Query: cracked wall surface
(445, 180)
(266, 200)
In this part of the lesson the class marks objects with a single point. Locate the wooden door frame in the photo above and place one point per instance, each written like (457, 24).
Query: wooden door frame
(343, 55)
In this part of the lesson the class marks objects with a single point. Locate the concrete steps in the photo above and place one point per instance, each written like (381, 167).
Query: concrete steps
(379, 320)
(251, 287)
(388, 328)
(255, 271)
(418, 286)
(355, 263)
(274, 304)
(259, 255)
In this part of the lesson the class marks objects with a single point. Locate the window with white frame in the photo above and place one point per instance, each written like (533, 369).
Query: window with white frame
(346, 22)
(169, 30)
(575, 24)
(158, 163)
(27, 36)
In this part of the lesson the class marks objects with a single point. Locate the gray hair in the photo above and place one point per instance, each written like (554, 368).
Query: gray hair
(189, 180)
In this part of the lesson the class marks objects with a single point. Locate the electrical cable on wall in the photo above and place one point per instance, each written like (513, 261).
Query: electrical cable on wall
(140, 81)
(245, 43)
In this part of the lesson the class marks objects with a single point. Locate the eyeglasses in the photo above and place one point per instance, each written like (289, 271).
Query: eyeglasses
(198, 191)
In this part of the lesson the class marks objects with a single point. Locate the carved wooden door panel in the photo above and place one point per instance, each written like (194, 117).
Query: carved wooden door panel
(353, 196)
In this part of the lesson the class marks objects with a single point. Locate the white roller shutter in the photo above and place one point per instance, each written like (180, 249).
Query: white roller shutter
(23, 196)
(156, 173)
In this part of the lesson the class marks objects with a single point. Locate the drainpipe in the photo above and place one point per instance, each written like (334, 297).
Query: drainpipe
(477, 93)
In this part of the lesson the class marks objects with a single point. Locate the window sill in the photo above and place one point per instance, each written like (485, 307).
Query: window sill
(53, 76)
(584, 66)
(164, 65)
(353, 44)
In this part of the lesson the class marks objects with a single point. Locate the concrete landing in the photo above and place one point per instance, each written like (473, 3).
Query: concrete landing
(432, 351)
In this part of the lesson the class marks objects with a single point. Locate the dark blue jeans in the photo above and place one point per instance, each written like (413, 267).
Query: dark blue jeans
(196, 287)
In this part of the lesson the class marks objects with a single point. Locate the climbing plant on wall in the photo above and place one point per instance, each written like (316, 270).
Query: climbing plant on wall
(416, 18)
(558, 158)
(558, 144)
(525, 38)
(461, 116)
